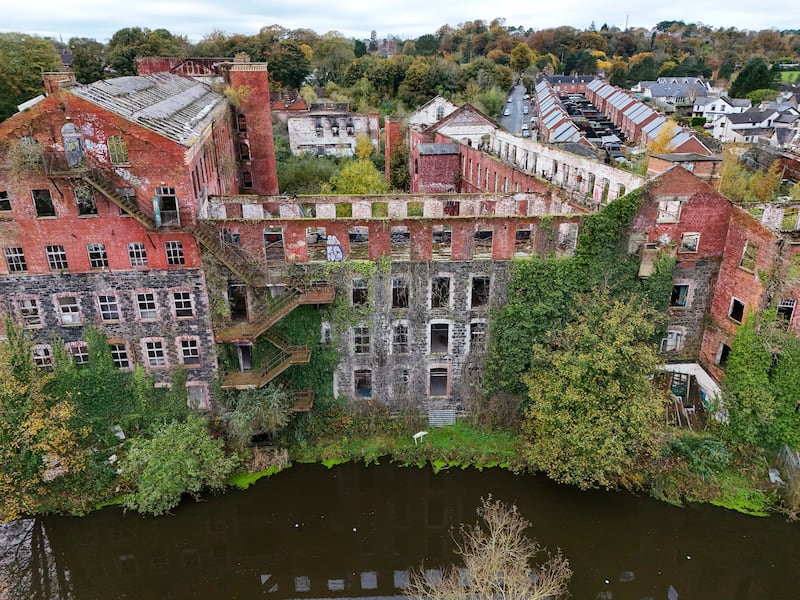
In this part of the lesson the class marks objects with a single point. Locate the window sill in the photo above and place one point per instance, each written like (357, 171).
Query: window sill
(46, 217)
(92, 216)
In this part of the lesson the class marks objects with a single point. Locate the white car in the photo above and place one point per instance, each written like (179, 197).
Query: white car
(507, 112)
(510, 99)
(524, 126)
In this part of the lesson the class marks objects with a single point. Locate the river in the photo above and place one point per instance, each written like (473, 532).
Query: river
(353, 532)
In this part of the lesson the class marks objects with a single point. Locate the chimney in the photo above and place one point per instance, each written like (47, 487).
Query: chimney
(54, 81)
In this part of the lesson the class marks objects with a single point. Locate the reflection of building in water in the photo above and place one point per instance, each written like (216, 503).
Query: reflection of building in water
(328, 536)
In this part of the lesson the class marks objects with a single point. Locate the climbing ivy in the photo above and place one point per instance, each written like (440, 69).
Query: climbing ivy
(543, 292)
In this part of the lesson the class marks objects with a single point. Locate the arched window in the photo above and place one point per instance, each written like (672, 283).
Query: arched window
(117, 150)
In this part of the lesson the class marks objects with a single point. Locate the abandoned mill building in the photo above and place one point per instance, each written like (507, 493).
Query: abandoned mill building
(148, 206)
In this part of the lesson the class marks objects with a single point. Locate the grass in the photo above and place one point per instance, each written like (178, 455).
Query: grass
(789, 76)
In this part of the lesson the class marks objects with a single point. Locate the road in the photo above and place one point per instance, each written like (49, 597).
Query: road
(514, 121)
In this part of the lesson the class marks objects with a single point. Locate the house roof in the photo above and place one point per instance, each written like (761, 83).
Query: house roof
(679, 157)
(175, 107)
(464, 112)
(749, 117)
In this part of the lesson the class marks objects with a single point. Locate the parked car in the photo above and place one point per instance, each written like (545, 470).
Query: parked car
(524, 126)
(507, 112)
(510, 99)
(525, 110)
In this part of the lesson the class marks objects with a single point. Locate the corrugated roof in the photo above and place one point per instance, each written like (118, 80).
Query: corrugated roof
(175, 107)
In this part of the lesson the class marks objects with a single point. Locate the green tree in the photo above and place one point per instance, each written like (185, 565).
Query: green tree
(88, 59)
(180, 458)
(521, 58)
(358, 177)
(755, 75)
(332, 54)
(260, 411)
(427, 45)
(288, 65)
(131, 42)
(594, 407)
(399, 178)
(305, 174)
(22, 59)
(417, 87)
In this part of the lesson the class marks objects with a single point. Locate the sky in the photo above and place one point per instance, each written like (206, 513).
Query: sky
(357, 18)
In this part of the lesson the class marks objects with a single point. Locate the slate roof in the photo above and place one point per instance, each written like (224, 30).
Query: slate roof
(175, 107)
(679, 157)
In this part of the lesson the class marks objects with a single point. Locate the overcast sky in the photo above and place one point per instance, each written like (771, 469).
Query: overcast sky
(357, 18)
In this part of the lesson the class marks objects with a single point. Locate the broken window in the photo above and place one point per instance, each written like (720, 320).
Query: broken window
(477, 336)
(480, 291)
(230, 237)
(244, 151)
(442, 237)
(56, 258)
(438, 381)
(679, 296)
(137, 254)
(68, 310)
(523, 243)
(722, 355)
(440, 338)
(317, 243)
(786, 310)
(749, 255)
(108, 306)
(400, 339)
(790, 216)
(483, 243)
(362, 383)
(689, 242)
(399, 293)
(190, 352)
(84, 198)
(5, 203)
(43, 203)
(241, 123)
(168, 206)
(361, 341)
(174, 250)
(29, 312)
(98, 259)
(440, 292)
(15, 260)
(79, 353)
(452, 208)
(42, 356)
(736, 311)
(117, 150)
(119, 354)
(273, 243)
(401, 242)
(360, 293)
(359, 242)
(247, 179)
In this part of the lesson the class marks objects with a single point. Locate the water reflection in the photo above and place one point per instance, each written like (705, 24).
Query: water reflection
(353, 532)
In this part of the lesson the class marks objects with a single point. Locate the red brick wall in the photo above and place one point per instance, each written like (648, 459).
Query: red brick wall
(393, 138)
(434, 173)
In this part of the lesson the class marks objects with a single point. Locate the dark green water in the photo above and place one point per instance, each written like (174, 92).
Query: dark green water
(353, 531)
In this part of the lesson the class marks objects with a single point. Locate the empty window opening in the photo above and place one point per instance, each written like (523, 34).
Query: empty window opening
(523, 243)
(98, 259)
(43, 203)
(227, 236)
(68, 310)
(442, 237)
(483, 243)
(749, 255)
(360, 293)
(241, 123)
(317, 243)
(440, 338)
(399, 293)
(79, 353)
(440, 292)
(679, 296)
(42, 356)
(273, 243)
(401, 242)
(438, 381)
(722, 355)
(477, 336)
(244, 151)
(689, 242)
(452, 208)
(29, 312)
(84, 199)
(15, 260)
(790, 216)
(56, 258)
(359, 242)
(137, 254)
(673, 342)
(737, 310)
(669, 211)
(146, 305)
(361, 339)
(786, 310)
(109, 308)
(5, 202)
(400, 339)
(362, 382)
(168, 206)
(247, 180)
(480, 291)
(174, 252)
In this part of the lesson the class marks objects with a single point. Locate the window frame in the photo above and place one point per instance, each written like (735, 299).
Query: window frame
(107, 305)
(45, 205)
(749, 256)
(69, 313)
(734, 302)
(143, 300)
(15, 259)
(155, 353)
(120, 353)
(98, 256)
(137, 254)
(117, 150)
(362, 339)
(173, 249)
(56, 258)
(188, 348)
(400, 338)
(183, 306)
